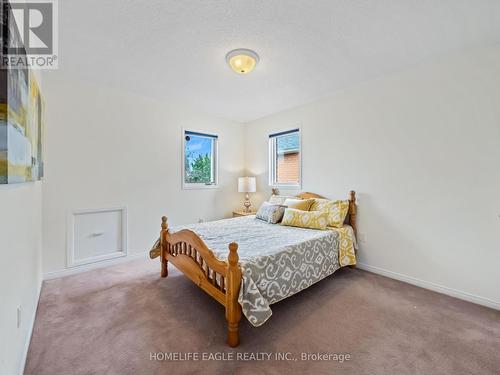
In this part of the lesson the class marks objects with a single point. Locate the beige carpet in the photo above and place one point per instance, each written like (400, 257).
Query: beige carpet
(109, 320)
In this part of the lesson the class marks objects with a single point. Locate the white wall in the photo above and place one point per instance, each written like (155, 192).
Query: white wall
(20, 269)
(422, 149)
(107, 148)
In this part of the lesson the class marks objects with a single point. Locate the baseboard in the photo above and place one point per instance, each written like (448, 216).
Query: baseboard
(91, 266)
(30, 333)
(432, 286)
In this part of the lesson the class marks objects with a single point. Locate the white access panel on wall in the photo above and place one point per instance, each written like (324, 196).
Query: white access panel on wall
(96, 235)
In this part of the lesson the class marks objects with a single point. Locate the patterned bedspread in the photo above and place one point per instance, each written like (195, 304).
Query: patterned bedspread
(277, 261)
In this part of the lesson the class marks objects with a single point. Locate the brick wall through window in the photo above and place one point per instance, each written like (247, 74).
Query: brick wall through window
(288, 168)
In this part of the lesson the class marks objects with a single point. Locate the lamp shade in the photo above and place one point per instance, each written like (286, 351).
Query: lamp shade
(246, 185)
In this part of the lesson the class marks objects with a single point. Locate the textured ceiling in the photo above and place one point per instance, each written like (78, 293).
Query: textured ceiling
(175, 50)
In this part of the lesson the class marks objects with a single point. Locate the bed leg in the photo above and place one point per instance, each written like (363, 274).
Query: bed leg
(233, 308)
(164, 267)
(164, 247)
(233, 334)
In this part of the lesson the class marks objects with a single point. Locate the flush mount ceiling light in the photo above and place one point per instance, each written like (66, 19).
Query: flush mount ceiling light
(242, 60)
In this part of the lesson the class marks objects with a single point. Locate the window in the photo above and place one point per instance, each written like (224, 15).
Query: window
(199, 160)
(284, 159)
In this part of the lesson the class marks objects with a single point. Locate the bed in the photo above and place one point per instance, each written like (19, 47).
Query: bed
(265, 262)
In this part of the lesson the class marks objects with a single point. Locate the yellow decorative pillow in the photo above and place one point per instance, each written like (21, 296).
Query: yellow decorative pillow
(299, 204)
(305, 219)
(337, 210)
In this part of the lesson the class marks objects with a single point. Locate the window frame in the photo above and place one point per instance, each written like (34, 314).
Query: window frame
(215, 160)
(273, 158)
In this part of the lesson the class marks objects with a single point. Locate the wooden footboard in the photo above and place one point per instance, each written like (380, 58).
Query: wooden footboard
(221, 280)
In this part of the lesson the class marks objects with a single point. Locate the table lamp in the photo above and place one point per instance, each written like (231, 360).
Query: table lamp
(246, 185)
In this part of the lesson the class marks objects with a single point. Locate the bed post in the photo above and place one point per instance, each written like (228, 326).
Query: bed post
(164, 247)
(233, 308)
(353, 211)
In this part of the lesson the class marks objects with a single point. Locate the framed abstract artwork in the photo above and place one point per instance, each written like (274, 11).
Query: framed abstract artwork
(21, 117)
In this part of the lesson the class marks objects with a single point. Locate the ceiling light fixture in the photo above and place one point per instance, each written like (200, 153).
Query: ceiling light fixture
(242, 60)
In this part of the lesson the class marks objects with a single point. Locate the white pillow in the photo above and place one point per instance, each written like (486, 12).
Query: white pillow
(279, 199)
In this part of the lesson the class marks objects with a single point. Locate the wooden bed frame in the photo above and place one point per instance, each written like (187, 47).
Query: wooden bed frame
(221, 280)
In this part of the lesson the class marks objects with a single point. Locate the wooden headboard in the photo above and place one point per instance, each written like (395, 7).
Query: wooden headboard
(351, 214)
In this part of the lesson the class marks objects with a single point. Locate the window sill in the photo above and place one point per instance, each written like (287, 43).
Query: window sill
(286, 186)
(198, 186)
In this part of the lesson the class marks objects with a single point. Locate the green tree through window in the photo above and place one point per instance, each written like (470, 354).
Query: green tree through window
(199, 158)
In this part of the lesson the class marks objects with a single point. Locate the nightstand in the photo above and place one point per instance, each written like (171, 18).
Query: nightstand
(242, 213)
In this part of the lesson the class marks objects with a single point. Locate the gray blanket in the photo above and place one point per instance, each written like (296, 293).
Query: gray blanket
(277, 261)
